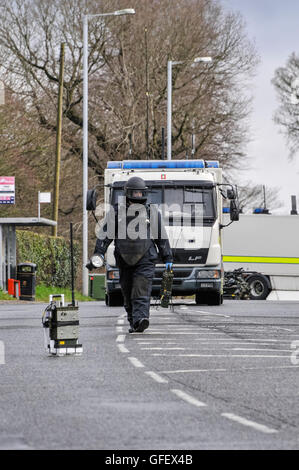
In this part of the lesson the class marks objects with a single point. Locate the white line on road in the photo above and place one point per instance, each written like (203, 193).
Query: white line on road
(165, 332)
(120, 321)
(120, 338)
(261, 349)
(188, 398)
(267, 342)
(284, 356)
(182, 371)
(247, 422)
(122, 348)
(119, 329)
(157, 377)
(214, 314)
(164, 349)
(155, 342)
(239, 369)
(135, 362)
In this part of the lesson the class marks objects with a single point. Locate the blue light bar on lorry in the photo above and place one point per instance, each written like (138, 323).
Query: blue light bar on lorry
(161, 164)
(114, 165)
(212, 164)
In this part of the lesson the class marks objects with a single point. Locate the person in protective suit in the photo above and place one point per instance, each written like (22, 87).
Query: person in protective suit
(136, 252)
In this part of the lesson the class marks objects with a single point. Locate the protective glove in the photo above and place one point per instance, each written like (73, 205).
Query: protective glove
(168, 266)
(89, 265)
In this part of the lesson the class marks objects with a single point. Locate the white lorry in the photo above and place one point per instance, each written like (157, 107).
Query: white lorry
(189, 195)
(266, 246)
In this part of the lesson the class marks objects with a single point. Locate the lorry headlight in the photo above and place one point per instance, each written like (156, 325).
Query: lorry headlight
(211, 274)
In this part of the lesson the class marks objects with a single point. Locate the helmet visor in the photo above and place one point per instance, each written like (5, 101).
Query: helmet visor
(136, 195)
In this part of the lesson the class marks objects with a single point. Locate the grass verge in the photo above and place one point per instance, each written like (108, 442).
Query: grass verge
(43, 292)
(5, 296)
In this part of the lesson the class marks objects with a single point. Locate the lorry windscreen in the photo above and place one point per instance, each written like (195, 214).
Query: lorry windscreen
(179, 198)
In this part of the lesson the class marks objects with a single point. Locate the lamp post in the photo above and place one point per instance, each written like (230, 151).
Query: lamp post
(128, 11)
(170, 63)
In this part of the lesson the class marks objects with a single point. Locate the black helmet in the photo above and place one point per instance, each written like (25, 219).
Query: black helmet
(136, 184)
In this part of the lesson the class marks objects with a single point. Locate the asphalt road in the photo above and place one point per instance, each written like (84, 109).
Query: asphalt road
(199, 378)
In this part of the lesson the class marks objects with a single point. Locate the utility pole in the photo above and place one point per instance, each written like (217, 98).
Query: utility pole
(58, 141)
(147, 94)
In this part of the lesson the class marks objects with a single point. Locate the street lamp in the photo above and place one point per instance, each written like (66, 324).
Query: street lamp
(170, 63)
(127, 11)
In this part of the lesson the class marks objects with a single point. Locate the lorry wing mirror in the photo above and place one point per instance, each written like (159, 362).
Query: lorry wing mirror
(91, 200)
(230, 193)
(234, 211)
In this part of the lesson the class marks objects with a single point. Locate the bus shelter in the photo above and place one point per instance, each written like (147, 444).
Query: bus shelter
(8, 246)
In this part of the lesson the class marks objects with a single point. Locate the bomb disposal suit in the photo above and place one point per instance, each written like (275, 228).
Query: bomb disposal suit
(137, 231)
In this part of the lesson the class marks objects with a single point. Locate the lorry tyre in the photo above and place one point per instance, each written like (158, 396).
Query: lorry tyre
(114, 300)
(210, 299)
(259, 287)
(201, 298)
(215, 299)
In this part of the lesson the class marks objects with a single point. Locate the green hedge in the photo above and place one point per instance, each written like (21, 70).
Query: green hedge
(51, 256)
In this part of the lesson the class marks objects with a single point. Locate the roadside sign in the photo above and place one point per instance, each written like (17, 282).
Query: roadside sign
(7, 189)
(44, 197)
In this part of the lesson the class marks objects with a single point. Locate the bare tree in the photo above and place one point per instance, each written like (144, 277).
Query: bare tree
(253, 196)
(208, 99)
(286, 83)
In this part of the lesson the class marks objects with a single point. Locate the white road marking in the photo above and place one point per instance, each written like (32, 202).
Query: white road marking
(207, 347)
(261, 349)
(120, 321)
(155, 342)
(135, 362)
(240, 341)
(239, 369)
(284, 356)
(247, 422)
(164, 349)
(280, 328)
(188, 398)
(157, 377)
(122, 348)
(214, 314)
(120, 338)
(119, 329)
(165, 332)
(182, 371)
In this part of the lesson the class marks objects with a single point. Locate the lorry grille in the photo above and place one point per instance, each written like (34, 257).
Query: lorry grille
(176, 274)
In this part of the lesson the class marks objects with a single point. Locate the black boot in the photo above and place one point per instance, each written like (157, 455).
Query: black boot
(141, 325)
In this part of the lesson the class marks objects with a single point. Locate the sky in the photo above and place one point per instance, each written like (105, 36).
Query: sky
(274, 27)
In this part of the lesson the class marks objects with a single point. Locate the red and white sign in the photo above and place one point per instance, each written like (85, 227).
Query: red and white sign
(7, 189)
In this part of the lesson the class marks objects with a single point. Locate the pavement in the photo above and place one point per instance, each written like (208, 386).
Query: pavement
(199, 378)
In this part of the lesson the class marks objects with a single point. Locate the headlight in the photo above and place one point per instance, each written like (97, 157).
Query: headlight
(97, 261)
(211, 274)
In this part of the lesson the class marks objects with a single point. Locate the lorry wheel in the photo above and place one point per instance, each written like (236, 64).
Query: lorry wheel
(200, 298)
(114, 300)
(209, 299)
(215, 299)
(259, 287)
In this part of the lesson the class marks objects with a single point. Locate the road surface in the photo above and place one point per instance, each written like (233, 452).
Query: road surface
(199, 378)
